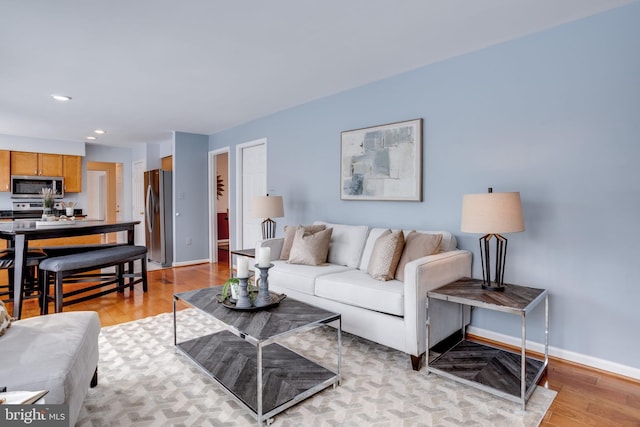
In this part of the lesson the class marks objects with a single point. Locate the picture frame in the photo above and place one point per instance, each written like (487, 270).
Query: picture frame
(382, 162)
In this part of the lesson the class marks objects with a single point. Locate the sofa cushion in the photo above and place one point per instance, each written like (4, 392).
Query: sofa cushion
(374, 233)
(346, 244)
(449, 242)
(357, 288)
(310, 248)
(289, 234)
(386, 254)
(417, 245)
(299, 277)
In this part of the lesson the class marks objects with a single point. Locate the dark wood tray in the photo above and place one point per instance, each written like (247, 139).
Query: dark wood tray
(231, 304)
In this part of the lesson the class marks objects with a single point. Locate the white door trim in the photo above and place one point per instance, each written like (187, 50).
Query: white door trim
(137, 206)
(213, 201)
(239, 186)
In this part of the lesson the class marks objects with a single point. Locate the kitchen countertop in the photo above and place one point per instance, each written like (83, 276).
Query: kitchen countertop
(9, 214)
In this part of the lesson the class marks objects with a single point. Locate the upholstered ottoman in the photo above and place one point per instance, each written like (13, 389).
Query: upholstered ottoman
(57, 352)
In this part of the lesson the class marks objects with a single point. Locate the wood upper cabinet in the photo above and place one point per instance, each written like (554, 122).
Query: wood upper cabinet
(5, 170)
(50, 164)
(72, 173)
(166, 163)
(23, 163)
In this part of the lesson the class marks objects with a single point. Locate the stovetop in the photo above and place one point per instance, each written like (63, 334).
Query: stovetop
(26, 210)
(32, 206)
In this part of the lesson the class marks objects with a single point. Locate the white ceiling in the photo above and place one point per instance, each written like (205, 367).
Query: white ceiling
(143, 68)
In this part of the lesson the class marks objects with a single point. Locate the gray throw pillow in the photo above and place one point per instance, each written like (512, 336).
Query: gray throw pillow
(310, 248)
(289, 234)
(417, 245)
(385, 255)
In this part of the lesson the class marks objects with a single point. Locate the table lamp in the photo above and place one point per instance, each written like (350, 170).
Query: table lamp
(267, 207)
(492, 214)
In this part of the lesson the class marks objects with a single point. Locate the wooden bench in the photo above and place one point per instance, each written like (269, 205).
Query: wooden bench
(72, 268)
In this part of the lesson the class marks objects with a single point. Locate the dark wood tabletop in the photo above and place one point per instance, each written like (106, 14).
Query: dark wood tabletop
(19, 233)
(514, 298)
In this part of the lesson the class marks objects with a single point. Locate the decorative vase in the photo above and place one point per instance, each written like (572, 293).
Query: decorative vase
(47, 214)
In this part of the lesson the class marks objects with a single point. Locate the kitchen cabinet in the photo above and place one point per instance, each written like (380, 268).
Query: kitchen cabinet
(5, 170)
(72, 173)
(166, 163)
(30, 164)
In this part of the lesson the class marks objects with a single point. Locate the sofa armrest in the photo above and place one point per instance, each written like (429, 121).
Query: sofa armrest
(423, 275)
(275, 245)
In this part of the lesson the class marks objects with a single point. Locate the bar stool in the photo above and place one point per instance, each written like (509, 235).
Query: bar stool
(29, 284)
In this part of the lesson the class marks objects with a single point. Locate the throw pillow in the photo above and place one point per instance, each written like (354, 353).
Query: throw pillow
(5, 319)
(385, 255)
(310, 248)
(289, 234)
(417, 245)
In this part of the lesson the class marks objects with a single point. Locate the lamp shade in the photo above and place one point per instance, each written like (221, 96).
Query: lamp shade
(267, 207)
(492, 213)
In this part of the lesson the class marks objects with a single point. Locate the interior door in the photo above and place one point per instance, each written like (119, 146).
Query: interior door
(254, 183)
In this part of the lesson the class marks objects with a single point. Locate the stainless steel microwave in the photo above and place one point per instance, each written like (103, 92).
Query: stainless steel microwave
(30, 187)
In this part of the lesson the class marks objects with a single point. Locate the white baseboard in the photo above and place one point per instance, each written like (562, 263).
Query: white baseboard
(192, 262)
(570, 356)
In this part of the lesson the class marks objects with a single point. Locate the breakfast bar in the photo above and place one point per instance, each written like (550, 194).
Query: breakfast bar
(19, 233)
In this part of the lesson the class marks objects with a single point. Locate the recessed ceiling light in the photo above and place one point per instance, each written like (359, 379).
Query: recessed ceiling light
(91, 137)
(99, 131)
(61, 97)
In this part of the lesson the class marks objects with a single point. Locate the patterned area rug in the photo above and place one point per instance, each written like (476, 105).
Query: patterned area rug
(144, 381)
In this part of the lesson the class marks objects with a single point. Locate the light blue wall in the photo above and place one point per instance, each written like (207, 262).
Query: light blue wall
(190, 197)
(555, 115)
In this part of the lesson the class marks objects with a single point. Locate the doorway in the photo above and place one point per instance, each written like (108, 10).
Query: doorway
(103, 181)
(219, 219)
(252, 181)
(97, 194)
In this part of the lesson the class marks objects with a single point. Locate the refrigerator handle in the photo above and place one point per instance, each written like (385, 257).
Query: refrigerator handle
(148, 207)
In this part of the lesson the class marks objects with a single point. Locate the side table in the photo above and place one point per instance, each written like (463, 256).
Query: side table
(504, 373)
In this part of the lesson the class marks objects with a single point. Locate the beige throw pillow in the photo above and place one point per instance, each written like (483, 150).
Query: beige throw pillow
(385, 255)
(289, 234)
(417, 245)
(310, 248)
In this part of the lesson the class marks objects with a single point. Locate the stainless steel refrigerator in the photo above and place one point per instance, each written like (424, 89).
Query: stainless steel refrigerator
(159, 216)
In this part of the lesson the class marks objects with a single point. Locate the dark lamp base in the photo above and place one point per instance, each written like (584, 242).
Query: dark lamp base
(493, 286)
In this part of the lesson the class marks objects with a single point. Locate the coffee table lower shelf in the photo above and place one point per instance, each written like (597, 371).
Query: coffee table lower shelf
(287, 377)
(488, 368)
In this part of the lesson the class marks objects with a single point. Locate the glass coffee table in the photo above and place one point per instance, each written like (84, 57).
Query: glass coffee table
(244, 358)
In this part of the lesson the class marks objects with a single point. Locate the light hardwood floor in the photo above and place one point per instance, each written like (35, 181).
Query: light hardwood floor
(585, 396)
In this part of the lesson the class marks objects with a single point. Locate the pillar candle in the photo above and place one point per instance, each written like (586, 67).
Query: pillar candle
(243, 267)
(264, 257)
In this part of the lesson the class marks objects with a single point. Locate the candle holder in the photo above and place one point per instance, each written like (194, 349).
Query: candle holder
(263, 298)
(244, 301)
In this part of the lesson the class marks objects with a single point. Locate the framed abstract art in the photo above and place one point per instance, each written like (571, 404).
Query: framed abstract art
(382, 162)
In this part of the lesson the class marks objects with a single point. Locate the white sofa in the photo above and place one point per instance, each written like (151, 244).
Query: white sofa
(391, 313)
